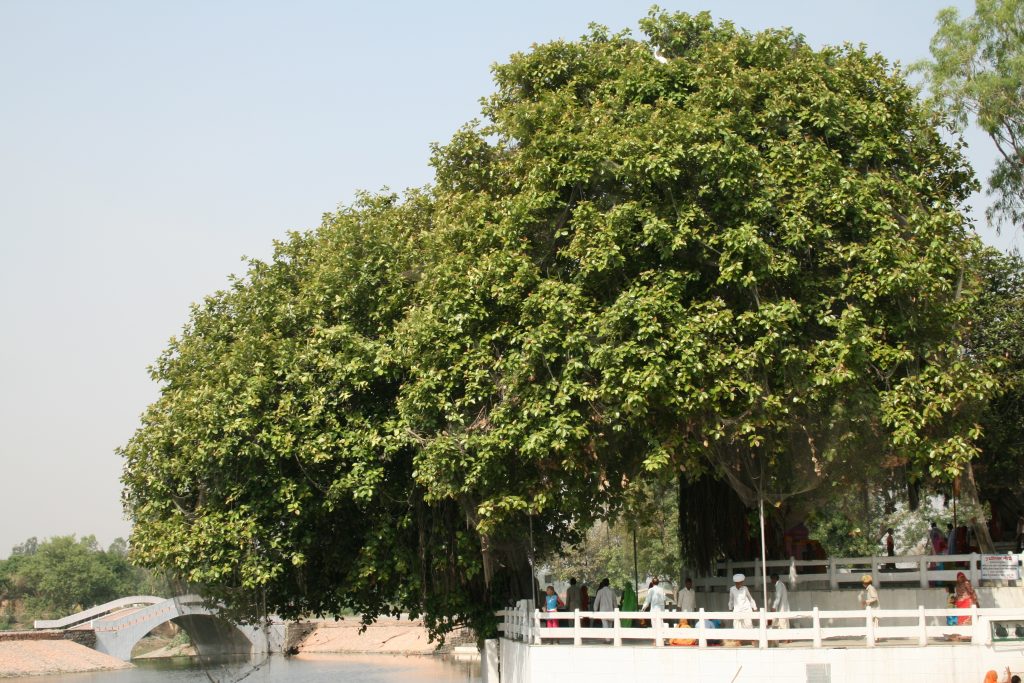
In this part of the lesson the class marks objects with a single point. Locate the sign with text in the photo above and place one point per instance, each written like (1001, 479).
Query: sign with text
(1000, 567)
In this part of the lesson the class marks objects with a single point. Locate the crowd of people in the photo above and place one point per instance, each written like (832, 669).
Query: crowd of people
(577, 597)
(741, 602)
(953, 541)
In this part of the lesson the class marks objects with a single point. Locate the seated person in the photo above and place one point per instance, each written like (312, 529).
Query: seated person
(682, 641)
(710, 623)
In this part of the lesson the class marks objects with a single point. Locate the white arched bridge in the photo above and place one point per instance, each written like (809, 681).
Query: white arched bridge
(120, 624)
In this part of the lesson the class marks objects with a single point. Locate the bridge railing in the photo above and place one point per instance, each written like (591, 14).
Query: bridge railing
(177, 605)
(918, 627)
(832, 573)
(97, 611)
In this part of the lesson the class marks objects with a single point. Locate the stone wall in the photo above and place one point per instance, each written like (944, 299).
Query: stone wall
(295, 633)
(31, 635)
(85, 637)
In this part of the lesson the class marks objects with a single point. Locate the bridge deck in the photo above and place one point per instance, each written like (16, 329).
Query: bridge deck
(112, 616)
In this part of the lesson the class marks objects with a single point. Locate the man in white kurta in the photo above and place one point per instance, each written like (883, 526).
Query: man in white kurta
(741, 602)
(655, 600)
(604, 601)
(781, 601)
(688, 598)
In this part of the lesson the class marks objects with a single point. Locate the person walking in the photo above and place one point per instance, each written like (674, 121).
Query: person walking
(628, 604)
(741, 602)
(781, 601)
(869, 596)
(935, 539)
(604, 601)
(572, 596)
(655, 600)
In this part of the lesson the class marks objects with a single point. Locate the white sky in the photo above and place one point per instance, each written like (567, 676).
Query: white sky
(146, 146)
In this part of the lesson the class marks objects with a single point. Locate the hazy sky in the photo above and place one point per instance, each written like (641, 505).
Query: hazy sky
(145, 147)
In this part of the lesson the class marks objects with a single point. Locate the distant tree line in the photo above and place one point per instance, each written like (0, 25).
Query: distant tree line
(64, 574)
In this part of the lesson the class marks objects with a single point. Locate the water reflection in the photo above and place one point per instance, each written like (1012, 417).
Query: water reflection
(305, 668)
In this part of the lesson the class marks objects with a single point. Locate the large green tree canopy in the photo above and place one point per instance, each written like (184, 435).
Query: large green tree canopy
(996, 332)
(741, 256)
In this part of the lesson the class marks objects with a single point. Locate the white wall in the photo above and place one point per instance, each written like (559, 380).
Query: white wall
(522, 663)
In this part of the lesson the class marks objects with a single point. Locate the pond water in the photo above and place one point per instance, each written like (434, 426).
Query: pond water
(307, 668)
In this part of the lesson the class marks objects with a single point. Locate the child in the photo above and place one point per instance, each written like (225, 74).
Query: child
(950, 603)
(551, 604)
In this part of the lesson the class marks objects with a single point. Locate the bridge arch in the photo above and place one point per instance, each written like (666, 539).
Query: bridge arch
(119, 625)
(211, 633)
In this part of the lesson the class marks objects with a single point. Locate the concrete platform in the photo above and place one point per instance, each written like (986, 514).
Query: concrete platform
(835, 663)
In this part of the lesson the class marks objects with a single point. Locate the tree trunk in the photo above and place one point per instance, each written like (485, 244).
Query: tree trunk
(969, 493)
(913, 492)
(712, 523)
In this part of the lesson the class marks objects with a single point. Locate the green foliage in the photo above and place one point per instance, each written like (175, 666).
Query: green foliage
(912, 526)
(843, 529)
(977, 74)
(996, 333)
(63, 574)
(29, 547)
(750, 260)
(606, 549)
(851, 522)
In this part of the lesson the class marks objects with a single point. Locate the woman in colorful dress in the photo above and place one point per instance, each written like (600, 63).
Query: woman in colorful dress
(965, 597)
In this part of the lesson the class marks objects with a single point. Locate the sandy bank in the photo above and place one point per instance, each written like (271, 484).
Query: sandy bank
(37, 657)
(386, 636)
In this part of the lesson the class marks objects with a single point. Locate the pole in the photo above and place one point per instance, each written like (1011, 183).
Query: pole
(636, 578)
(956, 489)
(764, 554)
(533, 570)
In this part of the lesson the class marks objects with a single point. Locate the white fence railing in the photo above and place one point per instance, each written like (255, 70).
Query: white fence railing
(920, 627)
(921, 570)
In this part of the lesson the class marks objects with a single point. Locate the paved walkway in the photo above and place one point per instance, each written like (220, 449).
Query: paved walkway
(113, 616)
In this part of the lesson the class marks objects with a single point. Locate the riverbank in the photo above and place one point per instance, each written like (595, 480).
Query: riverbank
(386, 636)
(52, 657)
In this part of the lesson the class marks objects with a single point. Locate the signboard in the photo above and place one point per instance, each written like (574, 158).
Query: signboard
(1000, 567)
